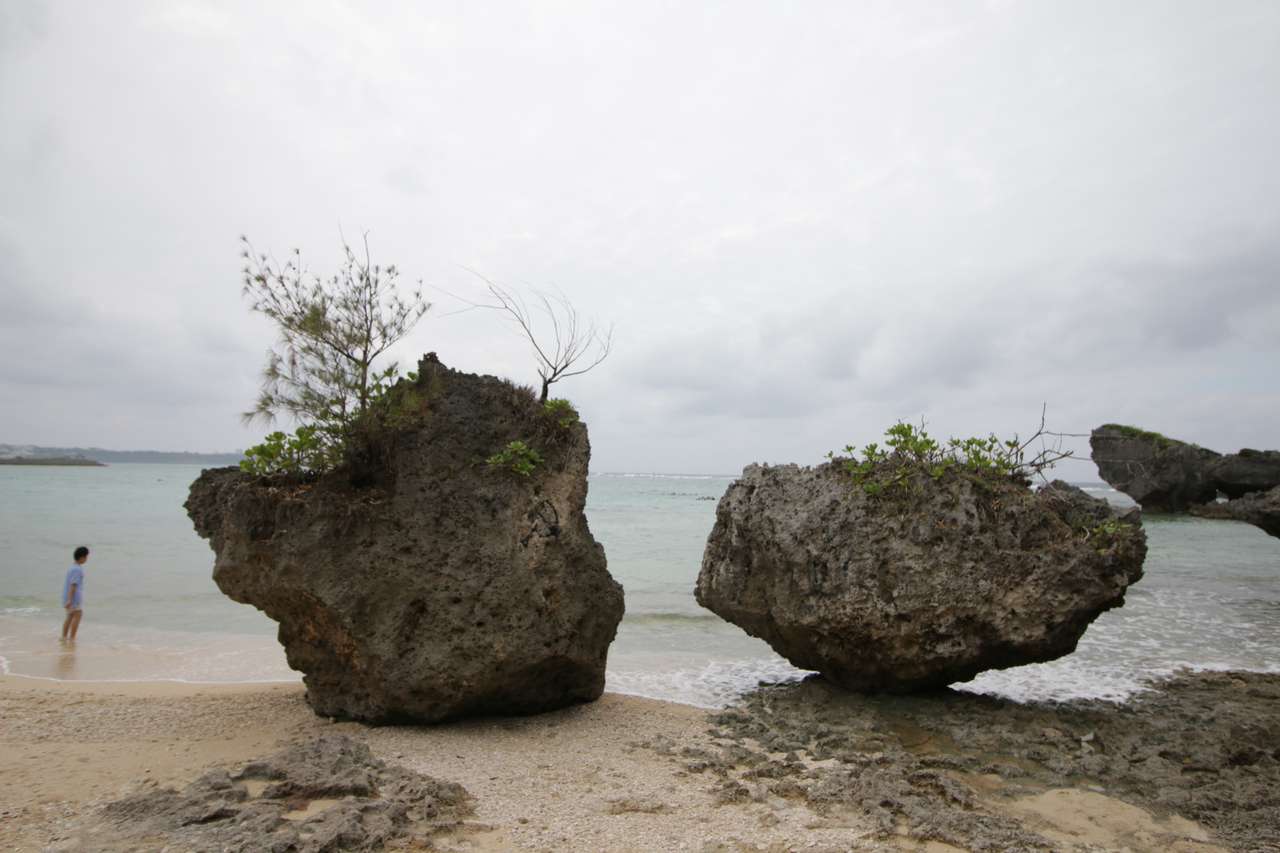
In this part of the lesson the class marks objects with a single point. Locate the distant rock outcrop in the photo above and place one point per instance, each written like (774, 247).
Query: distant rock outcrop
(1259, 508)
(441, 586)
(1162, 474)
(1166, 475)
(905, 593)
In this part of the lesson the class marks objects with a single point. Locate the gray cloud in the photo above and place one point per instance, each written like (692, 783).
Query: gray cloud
(22, 24)
(806, 223)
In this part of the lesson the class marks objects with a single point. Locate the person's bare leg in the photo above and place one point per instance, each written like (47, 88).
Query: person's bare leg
(75, 623)
(66, 623)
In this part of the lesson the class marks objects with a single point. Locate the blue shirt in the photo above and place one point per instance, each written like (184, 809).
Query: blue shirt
(75, 575)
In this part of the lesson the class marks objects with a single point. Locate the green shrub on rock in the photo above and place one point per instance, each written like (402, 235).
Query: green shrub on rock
(910, 453)
(1158, 440)
(561, 411)
(284, 453)
(517, 457)
(1107, 533)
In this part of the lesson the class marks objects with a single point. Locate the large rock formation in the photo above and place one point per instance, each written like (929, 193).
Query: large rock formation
(1162, 474)
(420, 583)
(1166, 475)
(1259, 508)
(1239, 474)
(908, 592)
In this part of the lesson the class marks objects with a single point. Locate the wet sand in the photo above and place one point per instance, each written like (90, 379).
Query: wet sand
(30, 647)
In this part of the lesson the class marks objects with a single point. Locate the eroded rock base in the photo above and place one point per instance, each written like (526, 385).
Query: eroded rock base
(1261, 509)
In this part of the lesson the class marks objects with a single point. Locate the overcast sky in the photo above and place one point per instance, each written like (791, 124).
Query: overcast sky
(806, 220)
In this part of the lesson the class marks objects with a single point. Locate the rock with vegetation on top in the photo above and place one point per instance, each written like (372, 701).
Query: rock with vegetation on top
(1261, 509)
(419, 581)
(1162, 474)
(917, 589)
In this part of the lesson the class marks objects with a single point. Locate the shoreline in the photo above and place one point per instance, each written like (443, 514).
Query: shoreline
(141, 682)
(791, 766)
(128, 660)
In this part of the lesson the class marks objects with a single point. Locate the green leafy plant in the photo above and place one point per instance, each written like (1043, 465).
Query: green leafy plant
(1105, 534)
(325, 371)
(561, 411)
(284, 453)
(909, 453)
(1161, 442)
(517, 457)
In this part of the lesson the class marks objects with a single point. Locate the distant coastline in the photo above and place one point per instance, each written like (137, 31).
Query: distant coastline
(37, 455)
(53, 460)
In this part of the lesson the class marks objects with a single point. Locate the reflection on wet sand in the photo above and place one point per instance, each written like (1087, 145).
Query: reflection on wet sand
(32, 648)
(65, 665)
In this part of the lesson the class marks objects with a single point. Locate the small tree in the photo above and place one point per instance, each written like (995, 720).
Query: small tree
(332, 332)
(572, 347)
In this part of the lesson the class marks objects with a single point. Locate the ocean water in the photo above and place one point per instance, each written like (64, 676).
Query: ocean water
(1210, 598)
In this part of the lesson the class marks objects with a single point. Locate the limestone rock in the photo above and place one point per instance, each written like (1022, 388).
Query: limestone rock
(420, 583)
(1162, 474)
(1259, 508)
(326, 794)
(1238, 474)
(908, 593)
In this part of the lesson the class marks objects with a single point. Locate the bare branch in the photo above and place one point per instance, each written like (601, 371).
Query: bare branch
(568, 342)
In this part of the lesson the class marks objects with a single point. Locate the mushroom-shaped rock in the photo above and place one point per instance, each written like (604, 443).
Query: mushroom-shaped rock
(899, 593)
(418, 582)
(1162, 474)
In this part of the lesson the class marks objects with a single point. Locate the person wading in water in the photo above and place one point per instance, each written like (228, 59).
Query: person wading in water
(73, 595)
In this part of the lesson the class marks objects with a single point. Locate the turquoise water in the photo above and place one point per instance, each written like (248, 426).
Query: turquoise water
(147, 567)
(1211, 596)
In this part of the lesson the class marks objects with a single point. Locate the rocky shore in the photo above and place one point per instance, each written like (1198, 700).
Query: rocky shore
(1199, 755)
(1192, 765)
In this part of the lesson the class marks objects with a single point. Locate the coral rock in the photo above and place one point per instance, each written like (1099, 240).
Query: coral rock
(904, 593)
(420, 583)
(1238, 474)
(323, 795)
(1162, 474)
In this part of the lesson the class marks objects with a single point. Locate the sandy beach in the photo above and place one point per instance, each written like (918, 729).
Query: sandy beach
(574, 779)
(621, 773)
